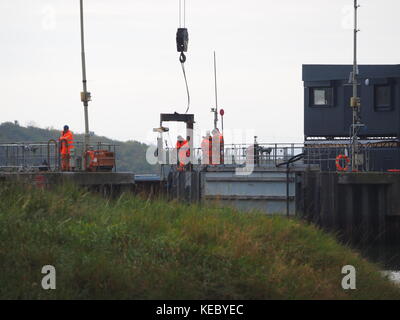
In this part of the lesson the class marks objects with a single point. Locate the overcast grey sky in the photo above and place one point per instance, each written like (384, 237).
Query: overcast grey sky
(133, 69)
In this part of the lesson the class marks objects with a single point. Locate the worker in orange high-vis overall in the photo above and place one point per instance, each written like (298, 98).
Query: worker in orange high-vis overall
(66, 145)
(206, 149)
(182, 147)
(217, 147)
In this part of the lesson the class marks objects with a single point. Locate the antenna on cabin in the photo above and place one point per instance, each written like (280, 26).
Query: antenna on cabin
(85, 95)
(355, 101)
(215, 110)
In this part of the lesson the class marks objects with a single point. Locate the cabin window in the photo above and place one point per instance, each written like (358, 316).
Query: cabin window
(383, 98)
(321, 97)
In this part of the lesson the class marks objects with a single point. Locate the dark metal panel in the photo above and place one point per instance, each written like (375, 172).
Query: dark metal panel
(325, 121)
(339, 72)
(171, 117)
(335, 121)
(356, 205)
(313, 84)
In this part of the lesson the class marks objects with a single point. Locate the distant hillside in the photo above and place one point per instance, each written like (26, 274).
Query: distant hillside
(131, 155)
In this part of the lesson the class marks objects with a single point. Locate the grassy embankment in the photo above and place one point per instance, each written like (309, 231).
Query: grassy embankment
(134, 249)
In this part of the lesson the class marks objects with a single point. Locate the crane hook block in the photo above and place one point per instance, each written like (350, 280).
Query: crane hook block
(182, 40)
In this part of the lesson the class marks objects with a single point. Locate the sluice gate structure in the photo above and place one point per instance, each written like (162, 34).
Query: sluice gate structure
(360, 207)
(314, 180)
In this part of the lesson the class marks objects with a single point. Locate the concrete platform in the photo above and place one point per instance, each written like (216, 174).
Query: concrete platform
(78, 178)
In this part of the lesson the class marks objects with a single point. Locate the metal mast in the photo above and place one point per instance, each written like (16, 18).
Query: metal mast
(85, 95)
(355, 102)
(215, 110)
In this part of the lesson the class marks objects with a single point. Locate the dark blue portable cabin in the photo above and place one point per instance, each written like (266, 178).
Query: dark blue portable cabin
(327, 93)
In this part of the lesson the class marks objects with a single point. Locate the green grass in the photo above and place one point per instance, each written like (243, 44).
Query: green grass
(130, 248)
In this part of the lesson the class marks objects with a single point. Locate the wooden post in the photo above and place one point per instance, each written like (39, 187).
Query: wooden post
(366, 214)
(382, 213)
(317, 199)
(349, 211)
(334, 201)
(325, 198)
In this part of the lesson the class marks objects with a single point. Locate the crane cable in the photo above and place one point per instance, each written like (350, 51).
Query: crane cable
(187, 87)
(180, 13)
(182, 39)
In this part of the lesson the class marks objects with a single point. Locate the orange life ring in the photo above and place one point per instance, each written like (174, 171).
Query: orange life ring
(338, 166)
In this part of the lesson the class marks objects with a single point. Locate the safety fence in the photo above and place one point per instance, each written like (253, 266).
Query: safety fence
(333, 157)
(43, 156)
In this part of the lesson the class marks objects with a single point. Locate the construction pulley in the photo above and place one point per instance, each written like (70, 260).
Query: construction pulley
(182, 35)
(182, 42)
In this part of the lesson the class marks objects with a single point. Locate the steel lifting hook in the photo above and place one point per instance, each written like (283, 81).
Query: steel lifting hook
(182, 58)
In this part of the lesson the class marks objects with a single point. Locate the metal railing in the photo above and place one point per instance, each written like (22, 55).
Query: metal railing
(42, 156)
(29, 156)
(322, 156)
(262, 154)
(45, 156)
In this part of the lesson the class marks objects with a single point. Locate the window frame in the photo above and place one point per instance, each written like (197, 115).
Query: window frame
(331, 101)
(383, 108)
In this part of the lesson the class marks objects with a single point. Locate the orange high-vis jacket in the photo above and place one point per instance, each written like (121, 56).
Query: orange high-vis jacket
(67, 142)
(185, 152)
(180, 144)
(206, 148)
(217, 149)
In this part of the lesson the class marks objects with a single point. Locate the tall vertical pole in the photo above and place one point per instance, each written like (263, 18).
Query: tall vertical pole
(216, 93)
(355, 50)
(355, 100)
(85, 95)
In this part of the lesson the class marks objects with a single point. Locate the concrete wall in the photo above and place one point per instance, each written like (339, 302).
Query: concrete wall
(107, 183)
(267, 190)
